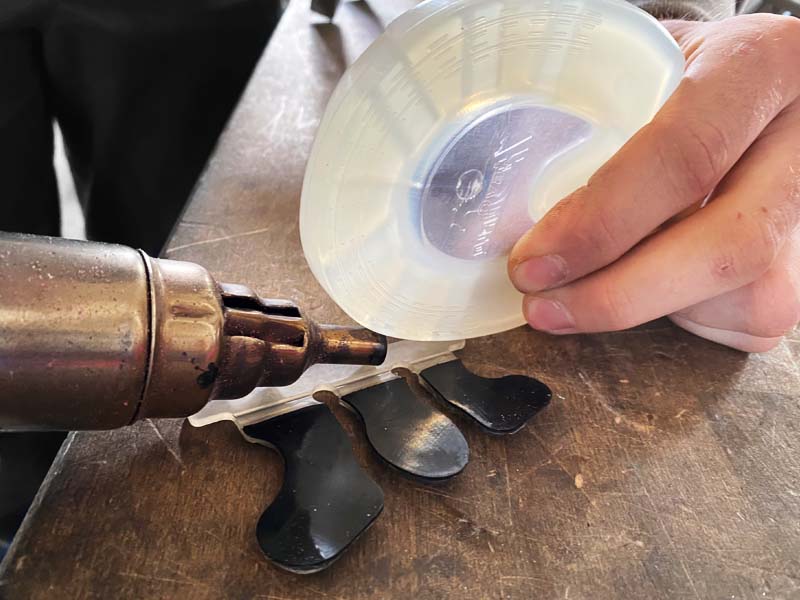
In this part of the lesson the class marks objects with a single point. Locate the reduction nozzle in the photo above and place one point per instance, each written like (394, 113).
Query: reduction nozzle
(269, 343)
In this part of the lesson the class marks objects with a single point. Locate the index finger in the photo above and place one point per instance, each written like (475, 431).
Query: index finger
(731, 90)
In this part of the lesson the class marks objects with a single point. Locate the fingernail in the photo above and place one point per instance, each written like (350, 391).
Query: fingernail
(539, 273)
(548, 315)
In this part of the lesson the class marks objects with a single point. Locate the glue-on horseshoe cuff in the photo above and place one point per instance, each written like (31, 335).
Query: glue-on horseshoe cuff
(501, 406)
(408, 433)
(327, 500)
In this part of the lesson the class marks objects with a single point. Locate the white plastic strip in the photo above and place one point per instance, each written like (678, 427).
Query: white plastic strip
(265, 403)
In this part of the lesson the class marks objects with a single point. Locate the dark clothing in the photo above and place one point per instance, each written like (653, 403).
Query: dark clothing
(141, 90)
(25, 459)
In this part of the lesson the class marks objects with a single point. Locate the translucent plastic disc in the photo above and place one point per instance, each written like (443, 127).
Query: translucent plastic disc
(452, 135)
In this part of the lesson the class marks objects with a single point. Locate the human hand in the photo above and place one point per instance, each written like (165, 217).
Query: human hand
(637, 242)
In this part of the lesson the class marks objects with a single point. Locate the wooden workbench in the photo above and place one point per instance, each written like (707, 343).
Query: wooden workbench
(666, 466)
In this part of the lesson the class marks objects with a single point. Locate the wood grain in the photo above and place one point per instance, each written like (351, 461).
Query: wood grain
(666, 466)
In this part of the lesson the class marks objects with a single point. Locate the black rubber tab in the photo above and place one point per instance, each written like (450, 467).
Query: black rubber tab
(501, 405)
(408, 433)
(326, 501)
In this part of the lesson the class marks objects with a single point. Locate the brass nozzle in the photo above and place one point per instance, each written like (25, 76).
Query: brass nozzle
(270, 343)
(350, 346)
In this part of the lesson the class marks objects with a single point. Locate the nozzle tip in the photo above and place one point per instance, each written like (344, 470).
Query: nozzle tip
(351, 345)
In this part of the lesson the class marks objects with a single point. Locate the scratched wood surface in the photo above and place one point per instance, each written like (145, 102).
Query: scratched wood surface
(666, 466)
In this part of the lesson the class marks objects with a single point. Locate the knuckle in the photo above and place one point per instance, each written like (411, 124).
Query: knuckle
(780, 222)
(748, 252)
(761, 29)
(768, 238)
(783, 32)
(779, 56)
(560, 216)
(583, 226)
(725, 268)
(774, 226)
(767, 41)
(695, 159)
(705, 154)
(618, 308)
(733, 267)
(604, 235)
(787, 24)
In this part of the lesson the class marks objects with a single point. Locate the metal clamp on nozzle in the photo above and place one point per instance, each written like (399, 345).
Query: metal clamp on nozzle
(97, 336)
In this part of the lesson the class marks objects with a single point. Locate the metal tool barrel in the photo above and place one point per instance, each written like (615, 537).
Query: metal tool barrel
(77, 342)
(96, 336)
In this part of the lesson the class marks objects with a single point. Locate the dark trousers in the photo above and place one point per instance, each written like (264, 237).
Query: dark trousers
(141, 90)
